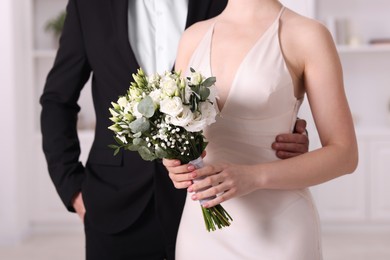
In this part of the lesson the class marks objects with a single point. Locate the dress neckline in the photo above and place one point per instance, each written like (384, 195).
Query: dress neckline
(245, 57)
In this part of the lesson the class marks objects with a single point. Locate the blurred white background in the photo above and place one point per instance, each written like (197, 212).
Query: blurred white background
(354, 209)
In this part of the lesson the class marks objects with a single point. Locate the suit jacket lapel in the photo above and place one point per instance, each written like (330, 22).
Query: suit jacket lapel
(119, 16)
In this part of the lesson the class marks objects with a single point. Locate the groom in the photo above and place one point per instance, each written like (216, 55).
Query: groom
(132, 209)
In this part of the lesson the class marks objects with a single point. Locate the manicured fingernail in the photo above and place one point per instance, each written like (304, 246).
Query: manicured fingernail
(177, 163)
(191, 167)
(190, 189)
(193, 175)
(194, 197)
(205, 205)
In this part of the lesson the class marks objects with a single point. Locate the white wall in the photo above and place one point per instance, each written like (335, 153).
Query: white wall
(15, 130)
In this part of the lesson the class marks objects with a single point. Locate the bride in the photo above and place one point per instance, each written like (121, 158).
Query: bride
(265, 58)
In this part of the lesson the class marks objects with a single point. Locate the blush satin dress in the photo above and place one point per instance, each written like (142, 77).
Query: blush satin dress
(267, 224)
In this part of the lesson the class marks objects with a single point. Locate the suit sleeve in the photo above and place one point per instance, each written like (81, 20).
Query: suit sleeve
(64, 83)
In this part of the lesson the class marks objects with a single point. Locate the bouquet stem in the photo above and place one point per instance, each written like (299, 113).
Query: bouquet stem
(215, 216)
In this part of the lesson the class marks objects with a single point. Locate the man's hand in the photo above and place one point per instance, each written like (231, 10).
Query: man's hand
(78, 205)
(290, 145)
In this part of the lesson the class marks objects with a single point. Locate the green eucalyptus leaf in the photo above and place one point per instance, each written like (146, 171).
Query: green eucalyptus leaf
(195, 89)
(139, 125)
(146, 154)
(161, 153)
(204, 93)
(136, 135)
(113, 146)
(209, 82)
(116, 151)
(132, 147)
(139, 142)
(146, 107)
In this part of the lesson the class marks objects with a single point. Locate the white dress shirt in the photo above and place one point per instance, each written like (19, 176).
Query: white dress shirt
(155, 28)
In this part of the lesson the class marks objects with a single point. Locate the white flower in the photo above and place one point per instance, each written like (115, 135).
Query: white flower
(182, 83)
(205, 117)
(113, 112)
(182, 119)
(135, 94)
(122, 102)
(156, 96)
(197, 124)
(171, 106)
(208, 112)
(188, 93)
(122, 138)
(127, 108)
(196, 78)
(154, 80)
(169, 86)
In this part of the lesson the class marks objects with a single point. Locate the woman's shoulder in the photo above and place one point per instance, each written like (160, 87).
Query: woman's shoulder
(190, 39)
(196, 32)
(302, 25)
(305, 33)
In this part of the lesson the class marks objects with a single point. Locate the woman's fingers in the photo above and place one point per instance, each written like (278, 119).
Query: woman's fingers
(181, 175)
(170, 162)
(221, 182)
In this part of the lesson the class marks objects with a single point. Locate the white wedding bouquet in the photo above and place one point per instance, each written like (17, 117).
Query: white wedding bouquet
(163, 116)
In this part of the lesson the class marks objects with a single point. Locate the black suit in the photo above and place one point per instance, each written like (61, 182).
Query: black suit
(116, 189)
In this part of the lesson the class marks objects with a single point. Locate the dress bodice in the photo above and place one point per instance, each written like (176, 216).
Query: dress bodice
(260, 104)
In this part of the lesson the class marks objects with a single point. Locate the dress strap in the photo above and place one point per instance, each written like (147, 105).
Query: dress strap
(281, 12)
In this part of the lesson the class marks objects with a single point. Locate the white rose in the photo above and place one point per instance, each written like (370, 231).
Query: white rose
(171, 106)
(182, 119)
(169, 86)
(201, 119)
(197, 124)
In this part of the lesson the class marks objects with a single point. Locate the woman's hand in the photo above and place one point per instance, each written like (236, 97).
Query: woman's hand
(223, 179)
(181, 175)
